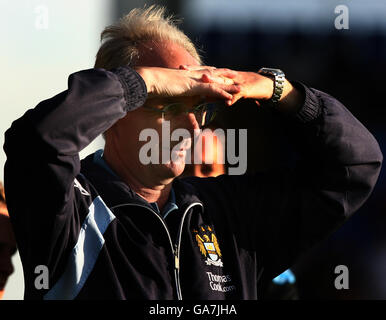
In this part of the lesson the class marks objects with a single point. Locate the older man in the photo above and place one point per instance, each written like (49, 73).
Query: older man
(110, 226)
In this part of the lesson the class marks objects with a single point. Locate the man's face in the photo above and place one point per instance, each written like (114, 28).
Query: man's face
(126, 131)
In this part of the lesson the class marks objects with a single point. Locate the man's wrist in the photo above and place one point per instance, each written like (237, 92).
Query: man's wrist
(147, 78)
(291, 99)
(278, 77)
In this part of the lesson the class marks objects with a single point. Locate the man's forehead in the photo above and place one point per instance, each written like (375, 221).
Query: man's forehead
(165, 54)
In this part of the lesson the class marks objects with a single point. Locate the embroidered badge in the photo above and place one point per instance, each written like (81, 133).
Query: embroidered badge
(208, 245)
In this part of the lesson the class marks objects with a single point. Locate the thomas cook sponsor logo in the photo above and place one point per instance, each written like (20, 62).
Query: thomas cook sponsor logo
(220, 283)
(208, 245)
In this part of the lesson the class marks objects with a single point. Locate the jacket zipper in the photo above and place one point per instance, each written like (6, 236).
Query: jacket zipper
(176, 248)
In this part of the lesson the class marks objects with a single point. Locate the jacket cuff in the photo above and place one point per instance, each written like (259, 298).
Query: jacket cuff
(134, 87)
(311, 108)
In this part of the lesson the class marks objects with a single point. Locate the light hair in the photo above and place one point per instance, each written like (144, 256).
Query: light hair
(121, 40)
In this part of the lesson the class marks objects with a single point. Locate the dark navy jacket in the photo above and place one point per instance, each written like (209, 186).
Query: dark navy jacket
(99, 240)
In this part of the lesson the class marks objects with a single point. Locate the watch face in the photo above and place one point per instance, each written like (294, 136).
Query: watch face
(275, 72)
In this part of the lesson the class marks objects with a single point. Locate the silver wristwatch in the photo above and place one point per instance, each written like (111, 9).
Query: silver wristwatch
(278, 81)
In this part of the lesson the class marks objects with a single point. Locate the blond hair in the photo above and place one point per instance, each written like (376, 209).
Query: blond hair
(121, 40)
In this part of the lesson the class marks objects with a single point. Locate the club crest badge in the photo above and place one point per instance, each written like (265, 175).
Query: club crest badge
(208, 245)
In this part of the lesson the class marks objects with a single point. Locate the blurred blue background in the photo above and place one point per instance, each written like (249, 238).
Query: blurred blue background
(43, 42)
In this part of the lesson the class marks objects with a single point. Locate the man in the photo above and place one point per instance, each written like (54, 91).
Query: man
(112, 227)
(7, 243)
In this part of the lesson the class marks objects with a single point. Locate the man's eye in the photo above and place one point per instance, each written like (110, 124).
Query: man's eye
(174, 108)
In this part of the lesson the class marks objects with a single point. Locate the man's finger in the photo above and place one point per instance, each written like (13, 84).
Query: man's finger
(236, 97)
(224, 92)
(230, 88)
(225, 72)
(220, 80)
(212, 74)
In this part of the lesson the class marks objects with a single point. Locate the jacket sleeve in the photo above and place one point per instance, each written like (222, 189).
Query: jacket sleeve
(339, 163)
(42, 150)
(285, 212)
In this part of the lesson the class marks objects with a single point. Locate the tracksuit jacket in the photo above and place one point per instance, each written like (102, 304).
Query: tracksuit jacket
(97, 239)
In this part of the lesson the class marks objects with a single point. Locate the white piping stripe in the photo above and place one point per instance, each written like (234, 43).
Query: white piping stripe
(84, 254)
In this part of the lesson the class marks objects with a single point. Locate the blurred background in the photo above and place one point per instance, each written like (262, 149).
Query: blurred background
(335, 46)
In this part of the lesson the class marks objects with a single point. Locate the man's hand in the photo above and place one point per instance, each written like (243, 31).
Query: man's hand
(260, 88)
(201, 81)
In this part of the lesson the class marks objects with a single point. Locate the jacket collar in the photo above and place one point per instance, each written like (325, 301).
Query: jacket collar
(116, 192)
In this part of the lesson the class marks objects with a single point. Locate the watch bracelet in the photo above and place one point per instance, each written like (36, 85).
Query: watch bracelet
(278, 83)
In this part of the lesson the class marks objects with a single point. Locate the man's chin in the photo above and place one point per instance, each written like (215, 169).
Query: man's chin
(172, 168)
(175, 168)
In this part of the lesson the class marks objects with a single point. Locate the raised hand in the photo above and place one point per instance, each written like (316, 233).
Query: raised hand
(255, 86)
(200, 81)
